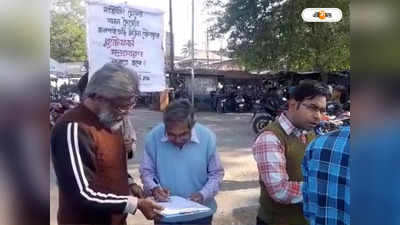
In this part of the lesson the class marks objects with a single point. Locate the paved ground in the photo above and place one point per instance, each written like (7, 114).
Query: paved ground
(238, 199)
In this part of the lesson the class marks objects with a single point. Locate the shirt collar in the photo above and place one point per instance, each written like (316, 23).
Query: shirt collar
(288, 126)
(194, 138)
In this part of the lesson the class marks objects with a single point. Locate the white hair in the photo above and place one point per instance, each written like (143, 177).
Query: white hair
(113, 81)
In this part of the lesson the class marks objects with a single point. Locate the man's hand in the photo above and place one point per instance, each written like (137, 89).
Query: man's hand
(149, 208)
(137, 191)
(161, 194)
(197, 197)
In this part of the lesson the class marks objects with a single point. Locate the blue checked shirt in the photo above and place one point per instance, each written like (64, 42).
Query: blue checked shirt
(326, 172)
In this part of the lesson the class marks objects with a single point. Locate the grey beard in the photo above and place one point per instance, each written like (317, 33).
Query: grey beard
(108, 120)
(116, 126)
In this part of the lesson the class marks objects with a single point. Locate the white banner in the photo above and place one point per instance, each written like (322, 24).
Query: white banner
(129, 35)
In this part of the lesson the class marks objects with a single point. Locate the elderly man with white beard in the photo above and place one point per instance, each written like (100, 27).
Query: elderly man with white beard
(89, 157)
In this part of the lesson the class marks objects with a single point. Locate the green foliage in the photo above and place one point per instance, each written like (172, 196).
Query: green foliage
(270, 34)
(68, 31)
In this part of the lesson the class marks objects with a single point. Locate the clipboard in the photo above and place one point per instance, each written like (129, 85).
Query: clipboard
(178, 206)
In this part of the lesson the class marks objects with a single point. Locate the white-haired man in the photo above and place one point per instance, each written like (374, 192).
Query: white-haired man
(89, 157)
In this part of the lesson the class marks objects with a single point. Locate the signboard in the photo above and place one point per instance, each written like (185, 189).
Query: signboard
(128, 35)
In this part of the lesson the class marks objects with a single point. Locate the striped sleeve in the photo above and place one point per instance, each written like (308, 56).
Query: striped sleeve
(269, 154)
(73, 163)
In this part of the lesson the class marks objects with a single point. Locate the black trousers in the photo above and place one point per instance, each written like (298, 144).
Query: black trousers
(260, 222)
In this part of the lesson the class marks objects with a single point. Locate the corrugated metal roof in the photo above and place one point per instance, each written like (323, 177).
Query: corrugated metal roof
(233, 74)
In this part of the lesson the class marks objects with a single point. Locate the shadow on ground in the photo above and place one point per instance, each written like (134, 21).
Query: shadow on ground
(231, 185)
(240, 216)
(245, 215)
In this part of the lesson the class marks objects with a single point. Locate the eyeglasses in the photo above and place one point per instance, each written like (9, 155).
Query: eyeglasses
(183, 135)
(314, 108)
(124, 107)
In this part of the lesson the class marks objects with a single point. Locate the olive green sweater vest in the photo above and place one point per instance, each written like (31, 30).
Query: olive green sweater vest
(271, 211)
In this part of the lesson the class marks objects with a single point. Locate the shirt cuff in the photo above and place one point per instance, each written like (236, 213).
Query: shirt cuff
(299, 197)
(152, 185)
(131, 206)
(148, 188)
(204, 194)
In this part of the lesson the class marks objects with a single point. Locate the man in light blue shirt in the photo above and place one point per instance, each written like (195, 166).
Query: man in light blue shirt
(180, 158)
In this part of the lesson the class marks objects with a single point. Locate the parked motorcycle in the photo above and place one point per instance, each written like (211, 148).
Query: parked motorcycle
(266, 111)
(221, 105)
(239, 103)
(232, 103)
(334, 108)
(333, 123)
(57, 109)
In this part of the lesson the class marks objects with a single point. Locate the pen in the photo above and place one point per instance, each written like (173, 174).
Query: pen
(156, 181)
(158, 184)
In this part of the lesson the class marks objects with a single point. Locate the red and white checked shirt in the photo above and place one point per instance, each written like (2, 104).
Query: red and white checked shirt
(269, 154)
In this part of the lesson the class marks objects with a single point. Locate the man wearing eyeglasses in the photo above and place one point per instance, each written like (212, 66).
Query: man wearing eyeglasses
(128, 132)
(279, 150)
(181, 158)
(89, 156)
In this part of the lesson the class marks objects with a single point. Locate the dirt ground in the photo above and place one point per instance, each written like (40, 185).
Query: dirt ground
(238, 198)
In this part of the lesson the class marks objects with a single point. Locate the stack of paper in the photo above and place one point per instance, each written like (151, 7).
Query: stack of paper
(177, 206)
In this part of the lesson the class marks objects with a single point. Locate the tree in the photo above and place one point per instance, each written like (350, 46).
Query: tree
(270, 34)
(74, 8)
(68, 31)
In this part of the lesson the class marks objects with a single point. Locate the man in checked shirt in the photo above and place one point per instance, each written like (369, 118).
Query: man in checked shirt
(279, 150)
(326, 171)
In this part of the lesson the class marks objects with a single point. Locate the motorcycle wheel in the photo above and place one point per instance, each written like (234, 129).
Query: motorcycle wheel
(219, 108)
(260, 122)
(223, 109)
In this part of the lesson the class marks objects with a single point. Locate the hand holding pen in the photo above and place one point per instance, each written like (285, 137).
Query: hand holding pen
(160, 194)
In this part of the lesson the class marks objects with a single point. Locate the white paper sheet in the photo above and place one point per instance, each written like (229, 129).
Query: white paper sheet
(130, 35)
(181, 206)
